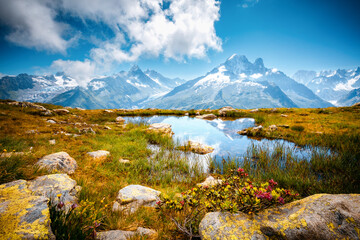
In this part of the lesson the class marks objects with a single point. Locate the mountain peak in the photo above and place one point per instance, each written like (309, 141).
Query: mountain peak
(357, 70)
(259, 63)
(135, 68)
(240, 64)
(237, 58)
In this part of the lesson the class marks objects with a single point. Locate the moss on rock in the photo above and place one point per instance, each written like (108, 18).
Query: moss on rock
(320, 216)
(23, 215)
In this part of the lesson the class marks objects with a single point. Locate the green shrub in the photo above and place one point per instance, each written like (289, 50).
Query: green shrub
(298, 128)
(235, 193)
(259, 119)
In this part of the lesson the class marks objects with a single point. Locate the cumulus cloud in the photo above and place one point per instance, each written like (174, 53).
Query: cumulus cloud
(81, 71)
(32, 25)
(174, 29)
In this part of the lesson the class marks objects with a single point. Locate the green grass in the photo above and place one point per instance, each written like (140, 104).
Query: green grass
(168, 171)
(324, 172)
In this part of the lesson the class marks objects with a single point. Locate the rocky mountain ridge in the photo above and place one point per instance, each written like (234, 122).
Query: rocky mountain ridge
(237, 82)
(332, 86)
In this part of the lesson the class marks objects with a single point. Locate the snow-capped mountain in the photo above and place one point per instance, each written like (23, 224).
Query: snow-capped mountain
(350, 98)
(24, 87)
(331, 85)
(240, 84)
(122, 90)
(237, 82)
(169, 83)
(304, 76)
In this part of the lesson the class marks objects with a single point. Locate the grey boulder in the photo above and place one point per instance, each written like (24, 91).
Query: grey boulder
(60, 162)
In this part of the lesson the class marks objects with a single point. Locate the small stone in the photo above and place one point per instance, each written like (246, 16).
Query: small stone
(120, 120)
(115, 235)
(163, 128)
(124, 160)
(32, 131)
(58, 162)
(284, 115)
(254, 110)
(258, 127)
(284, 126)
(62, 111)
(207, 116)
(79, 108)
(132, 197)
(108, 111)
(107, 127)
(51, 121)
(146, 232)
(197, 148)
(186, 114)
(98, 154)
(224, 110)
(210, 182)
(52, 141)
(46, 113)
(87, 130)
(273, 128)
(243, 132)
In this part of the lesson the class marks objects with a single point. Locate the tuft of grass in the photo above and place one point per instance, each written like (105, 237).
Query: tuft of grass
(297, 128)
(322, 171)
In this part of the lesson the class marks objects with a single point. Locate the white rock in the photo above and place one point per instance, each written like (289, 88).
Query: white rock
(58, 162)
(132, 197)
(210, 182)
(207, 116)
(51, 121)
(120, 120)
(273, 128)
(52, 185)
(124, 160)
(163, 128)
(98, 154)
(61, 111)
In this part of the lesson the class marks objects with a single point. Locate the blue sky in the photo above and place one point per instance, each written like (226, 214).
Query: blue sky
(184, 38)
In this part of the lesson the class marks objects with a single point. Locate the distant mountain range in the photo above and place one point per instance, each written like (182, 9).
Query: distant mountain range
(340, 87)
(122, 90)
(240, 84)
(24, 87)
(237, 82)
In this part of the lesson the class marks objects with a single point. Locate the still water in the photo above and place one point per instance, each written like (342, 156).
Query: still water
(220, 134)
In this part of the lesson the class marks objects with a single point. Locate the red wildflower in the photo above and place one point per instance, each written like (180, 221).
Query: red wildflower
(240, 170)
(272, 182)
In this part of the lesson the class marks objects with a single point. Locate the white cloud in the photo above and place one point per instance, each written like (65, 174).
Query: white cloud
(81, 71)
(184, 30)
(174, 29)
(32, 25)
